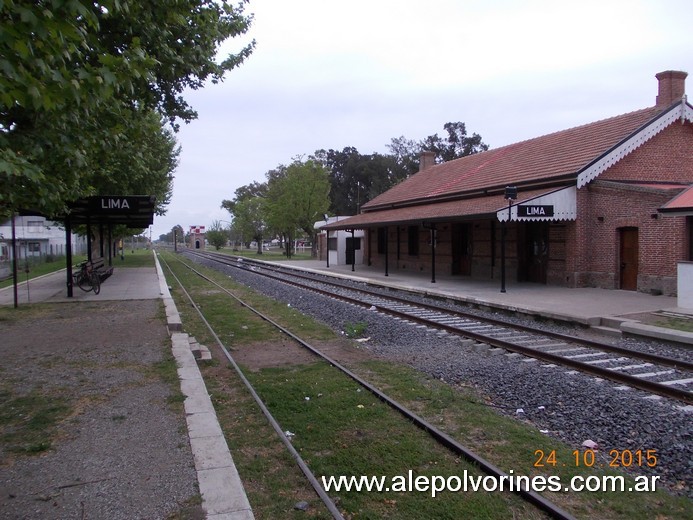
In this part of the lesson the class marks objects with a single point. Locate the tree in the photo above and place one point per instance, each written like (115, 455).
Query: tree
(175, 233)
(254, 189)
(249, 220)
(355, 178)
(456, 145)
(297, 200)
(217, 236)
(142, 163)
(70, 68)
(247, 210)
(405, 153)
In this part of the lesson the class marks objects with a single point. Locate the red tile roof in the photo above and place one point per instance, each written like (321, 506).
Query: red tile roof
(682, 202)
(540, 161)
(441, 211)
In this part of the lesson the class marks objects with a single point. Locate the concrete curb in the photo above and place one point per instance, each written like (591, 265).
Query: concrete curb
(650, 331)
(172, 316)
(223, 495)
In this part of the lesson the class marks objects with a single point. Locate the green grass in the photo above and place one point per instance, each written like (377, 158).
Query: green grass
(28, 423)
(166, 370)
(355, 330)
(343, 430)
(683, 324)
(136, 258)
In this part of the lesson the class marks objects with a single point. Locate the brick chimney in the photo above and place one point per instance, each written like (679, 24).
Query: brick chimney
(672, 87)
(426, 160)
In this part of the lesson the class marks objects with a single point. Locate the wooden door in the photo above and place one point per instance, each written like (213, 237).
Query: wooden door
(533, 253)
(629, 259)
(462, 249)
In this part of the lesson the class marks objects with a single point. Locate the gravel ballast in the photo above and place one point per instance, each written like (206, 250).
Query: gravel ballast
(565, 405)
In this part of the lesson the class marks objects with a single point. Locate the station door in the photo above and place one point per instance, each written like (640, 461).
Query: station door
(628, 246)
(462, 249)
(533, 252)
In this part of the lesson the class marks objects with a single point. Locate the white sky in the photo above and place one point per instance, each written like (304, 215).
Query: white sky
(331, 74)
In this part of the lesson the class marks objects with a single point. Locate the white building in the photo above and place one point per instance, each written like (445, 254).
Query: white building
(36, 237)
(343, 247)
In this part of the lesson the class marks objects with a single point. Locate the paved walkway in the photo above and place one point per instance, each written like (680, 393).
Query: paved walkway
(129, 283)
(220, 486)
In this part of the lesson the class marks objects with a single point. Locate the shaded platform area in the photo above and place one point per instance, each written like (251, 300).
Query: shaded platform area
(127, 283)
(134, 212)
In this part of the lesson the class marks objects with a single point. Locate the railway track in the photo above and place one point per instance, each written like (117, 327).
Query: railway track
(537, 500)
(659, 375)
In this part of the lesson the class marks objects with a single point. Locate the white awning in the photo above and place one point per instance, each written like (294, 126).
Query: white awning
(555, 205)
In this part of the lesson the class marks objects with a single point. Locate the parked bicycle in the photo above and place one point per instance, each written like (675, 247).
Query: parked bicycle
(86, 278)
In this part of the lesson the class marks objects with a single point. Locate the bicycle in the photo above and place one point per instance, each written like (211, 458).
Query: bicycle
(86, 278)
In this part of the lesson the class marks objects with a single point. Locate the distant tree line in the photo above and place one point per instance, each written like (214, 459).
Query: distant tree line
(294, 197)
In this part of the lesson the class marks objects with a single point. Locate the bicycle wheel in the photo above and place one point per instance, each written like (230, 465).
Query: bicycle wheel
(83, 281)
(95, 282)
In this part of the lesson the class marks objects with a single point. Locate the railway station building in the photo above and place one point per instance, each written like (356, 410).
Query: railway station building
(608, 204)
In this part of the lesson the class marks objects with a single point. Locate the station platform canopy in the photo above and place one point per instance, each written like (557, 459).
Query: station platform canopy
(133, 211)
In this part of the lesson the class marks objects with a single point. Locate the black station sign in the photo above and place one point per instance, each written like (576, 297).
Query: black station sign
(526, 210)
(117, 204)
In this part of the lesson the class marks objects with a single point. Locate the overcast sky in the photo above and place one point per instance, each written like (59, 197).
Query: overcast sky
(331, 74)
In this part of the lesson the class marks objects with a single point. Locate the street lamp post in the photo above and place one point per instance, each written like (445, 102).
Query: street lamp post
(510, 196)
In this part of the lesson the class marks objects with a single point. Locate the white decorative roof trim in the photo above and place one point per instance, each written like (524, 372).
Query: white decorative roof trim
(564, 202)
(683, 112)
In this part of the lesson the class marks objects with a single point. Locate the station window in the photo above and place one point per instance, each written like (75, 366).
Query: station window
(413, 240)
(332, 243)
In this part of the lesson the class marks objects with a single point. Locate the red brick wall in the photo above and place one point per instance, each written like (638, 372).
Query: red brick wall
(604, 209)
(664, 158)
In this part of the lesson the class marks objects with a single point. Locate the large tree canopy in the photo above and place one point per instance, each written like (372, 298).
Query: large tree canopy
(298, 199)
(457, 143)
(356, 178)
(76, 75)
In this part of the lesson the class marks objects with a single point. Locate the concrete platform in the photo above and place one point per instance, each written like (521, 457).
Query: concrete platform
(126, 283)
(591, 307)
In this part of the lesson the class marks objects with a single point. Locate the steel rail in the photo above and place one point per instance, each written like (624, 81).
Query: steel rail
(332, 508)
(444, 439)
(633, 381)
